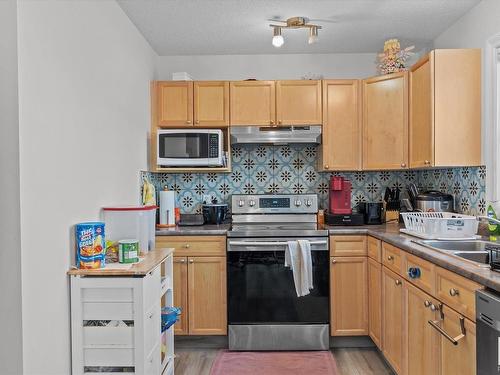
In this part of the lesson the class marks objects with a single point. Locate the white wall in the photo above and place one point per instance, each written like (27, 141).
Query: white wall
(279, 66)
(84, 73)
(474, 30)
(10, 266)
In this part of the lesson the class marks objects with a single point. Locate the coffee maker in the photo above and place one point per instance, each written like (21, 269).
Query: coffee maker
(340, 210)
(340, 196)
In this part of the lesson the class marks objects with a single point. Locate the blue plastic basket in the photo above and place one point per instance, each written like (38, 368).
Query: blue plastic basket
(169, 315)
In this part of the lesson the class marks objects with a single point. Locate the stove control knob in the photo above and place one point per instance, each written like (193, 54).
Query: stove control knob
(241, 203)
(298, 203)
(251, 203)
(308, 203)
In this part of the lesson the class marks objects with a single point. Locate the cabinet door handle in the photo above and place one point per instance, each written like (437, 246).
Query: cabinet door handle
(427, 162)
(187, 246)
(334, 261)
(453, 340)
(454, 292)
(188, 122)
(427, 303)
(181, 261)
(390, 258)
(327, 166)
(398, 282)
(197, 121)
(403, 165)
(279, 122)
(191, 260)
(271, 122)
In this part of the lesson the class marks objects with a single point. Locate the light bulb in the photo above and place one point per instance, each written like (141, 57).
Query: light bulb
(277, 37)
(278, 41)
(313, 35)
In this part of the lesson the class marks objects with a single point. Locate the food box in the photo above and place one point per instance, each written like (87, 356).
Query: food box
(90, 243)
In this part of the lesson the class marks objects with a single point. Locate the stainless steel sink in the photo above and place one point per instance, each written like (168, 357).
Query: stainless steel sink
(473, 245)
(475, 251)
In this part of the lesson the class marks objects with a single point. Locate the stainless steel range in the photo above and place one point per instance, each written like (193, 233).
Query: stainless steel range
(264, 312)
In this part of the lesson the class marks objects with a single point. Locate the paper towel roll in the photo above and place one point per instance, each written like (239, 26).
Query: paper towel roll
(167, 208)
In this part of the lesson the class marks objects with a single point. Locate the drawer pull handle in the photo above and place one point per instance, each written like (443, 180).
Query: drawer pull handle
(334, 261)
(453, 340)
(454, 292)
(433, 307)
(181, 261)
(398, 282)
(427, 303)
(187, 246)
(390, 258)
(191, 260)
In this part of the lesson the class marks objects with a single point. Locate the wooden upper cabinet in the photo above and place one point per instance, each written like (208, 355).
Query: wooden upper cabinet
(207, 295)
(253, 103)
(341, 145)
(422, 113)
(175, 103)
(445, 109)
(211, 103)
(385, 122)
(298, 102)
(349, 296)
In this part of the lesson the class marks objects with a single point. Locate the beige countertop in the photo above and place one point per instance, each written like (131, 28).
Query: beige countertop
(148, 263)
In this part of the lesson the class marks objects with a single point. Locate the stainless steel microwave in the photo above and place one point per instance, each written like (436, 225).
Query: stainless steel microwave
(190, 148)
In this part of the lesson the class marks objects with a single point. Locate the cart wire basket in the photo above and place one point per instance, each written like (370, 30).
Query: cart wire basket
(440, 225)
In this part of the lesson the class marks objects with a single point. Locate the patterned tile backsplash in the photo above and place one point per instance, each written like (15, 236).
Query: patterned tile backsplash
(259, 169)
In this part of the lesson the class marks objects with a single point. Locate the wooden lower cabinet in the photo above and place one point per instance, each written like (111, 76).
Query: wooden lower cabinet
(393, 330)
(349, 296)
(200, 290)
(181, 294)
(422, 340)
(207, 295)
(460, 358)
(374, 301)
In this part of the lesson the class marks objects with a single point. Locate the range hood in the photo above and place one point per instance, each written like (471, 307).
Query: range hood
(276, 134)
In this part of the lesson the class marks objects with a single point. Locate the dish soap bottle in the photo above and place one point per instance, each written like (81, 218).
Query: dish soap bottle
(494, 229)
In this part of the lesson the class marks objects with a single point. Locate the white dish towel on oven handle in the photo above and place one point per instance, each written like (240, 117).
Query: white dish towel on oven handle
(298, 258)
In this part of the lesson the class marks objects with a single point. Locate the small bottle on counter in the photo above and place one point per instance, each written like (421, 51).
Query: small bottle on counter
(321, 217)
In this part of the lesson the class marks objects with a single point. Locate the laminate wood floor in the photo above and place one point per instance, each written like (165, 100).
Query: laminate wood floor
(350, 361)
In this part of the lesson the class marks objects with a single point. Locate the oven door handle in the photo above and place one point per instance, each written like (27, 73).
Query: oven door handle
(270, 243)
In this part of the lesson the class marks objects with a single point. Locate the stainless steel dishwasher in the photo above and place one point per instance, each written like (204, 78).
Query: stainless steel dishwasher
(488, 332)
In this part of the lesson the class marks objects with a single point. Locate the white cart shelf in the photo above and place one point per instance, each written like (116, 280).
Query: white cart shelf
(131, 299)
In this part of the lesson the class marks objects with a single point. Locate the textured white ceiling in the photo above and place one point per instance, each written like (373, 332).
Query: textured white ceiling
(220, 27)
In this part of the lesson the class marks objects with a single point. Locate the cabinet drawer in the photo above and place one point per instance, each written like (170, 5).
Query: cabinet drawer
(420, 273)
(457, 292)
(193, 245)
(347, 246)
(392, 257)
(108, 357)
(375, 249)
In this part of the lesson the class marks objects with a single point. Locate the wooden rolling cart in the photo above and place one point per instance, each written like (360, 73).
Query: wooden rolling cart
(116, 317)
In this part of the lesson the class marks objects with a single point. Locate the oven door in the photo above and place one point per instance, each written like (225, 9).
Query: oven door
(177, 148)
(261, 289)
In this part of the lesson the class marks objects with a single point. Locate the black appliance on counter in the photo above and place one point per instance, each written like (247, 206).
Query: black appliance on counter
(214, 213)
(373, 213)
(264, 312)
(355, 218)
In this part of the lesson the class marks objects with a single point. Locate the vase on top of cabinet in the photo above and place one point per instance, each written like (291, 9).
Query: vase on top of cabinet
(445, 109)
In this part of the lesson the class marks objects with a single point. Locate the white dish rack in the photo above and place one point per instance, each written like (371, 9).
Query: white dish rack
(440, 225)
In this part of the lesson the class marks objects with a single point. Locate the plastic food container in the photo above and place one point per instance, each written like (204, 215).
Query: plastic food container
(138, 222)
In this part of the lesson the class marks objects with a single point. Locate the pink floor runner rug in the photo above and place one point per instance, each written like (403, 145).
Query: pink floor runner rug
(274, 363)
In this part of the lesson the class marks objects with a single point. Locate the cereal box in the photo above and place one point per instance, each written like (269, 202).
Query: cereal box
(90, 245)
